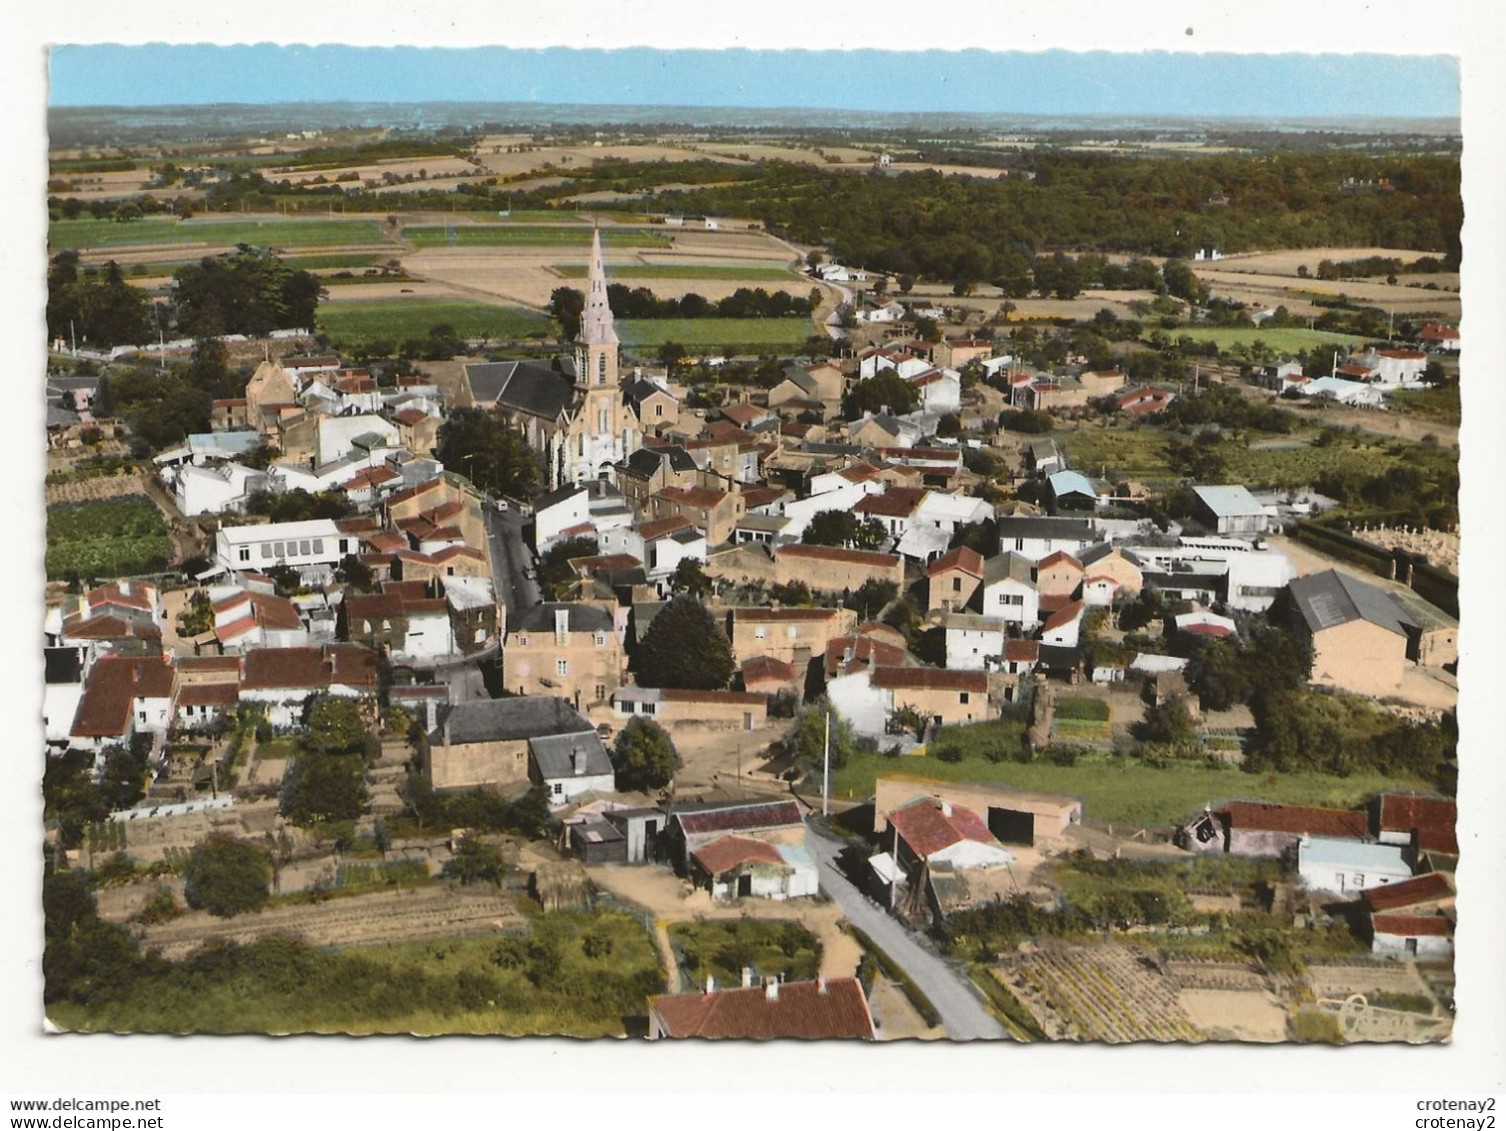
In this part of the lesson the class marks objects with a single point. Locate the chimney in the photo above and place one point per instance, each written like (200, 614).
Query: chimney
(747, 977)
(946, 807)
(771, 990)
(821, 984)
(579, 757)
(710, 984)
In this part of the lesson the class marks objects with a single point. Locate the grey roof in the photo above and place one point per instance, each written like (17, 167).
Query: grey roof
(1095, 553)
(1059, 656)
(1228, 502)
(1044, 449)
(522, 386)
(501, 720)
(645, 462)
(801, 378)
(583, 618)
(1331, 598)
(555, 755)
(60, 417)
(637, 389)
(1029, 526)
(644, 613)
(1072, 483)
(1180, 581)
(558, 495)
(1009, 565)
(974, 621)
(63, 665)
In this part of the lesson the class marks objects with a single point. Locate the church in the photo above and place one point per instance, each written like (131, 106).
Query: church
(578, 414)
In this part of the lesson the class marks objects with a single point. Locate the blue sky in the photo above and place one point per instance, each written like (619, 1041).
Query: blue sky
(1050, 82)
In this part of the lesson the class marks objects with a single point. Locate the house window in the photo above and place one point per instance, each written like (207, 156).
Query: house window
(318, 545)
(658, 410)
(792, 631)
(305, 547)
(522, 641)
(561, 667)
(559, 789)
(956, 585)
(1019, 543)
(760, 632)
(601, 640)
(141, 716)
(246, 553)
(601, 692)
(1359, 879)
(645, 708)
(266, 551)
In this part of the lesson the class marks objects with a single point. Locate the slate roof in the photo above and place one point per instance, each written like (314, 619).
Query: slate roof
(1331, 598)
(583, 618)
(554, 755)
(1011, 566)
(799, 1011)
(521, 386)
(1029, 526)
(505, 720)
(558, 495)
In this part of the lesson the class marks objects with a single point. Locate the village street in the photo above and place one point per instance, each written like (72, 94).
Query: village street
(962, 1012)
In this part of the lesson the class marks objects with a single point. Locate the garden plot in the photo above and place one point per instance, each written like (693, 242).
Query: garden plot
(1097, 993)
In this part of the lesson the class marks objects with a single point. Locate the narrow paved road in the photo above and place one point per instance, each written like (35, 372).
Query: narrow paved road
(504, 531)
(962, 1013)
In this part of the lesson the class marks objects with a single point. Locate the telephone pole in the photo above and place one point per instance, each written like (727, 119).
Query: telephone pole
(826, 769)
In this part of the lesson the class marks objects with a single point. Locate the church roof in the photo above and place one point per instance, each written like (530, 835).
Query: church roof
(521, 386)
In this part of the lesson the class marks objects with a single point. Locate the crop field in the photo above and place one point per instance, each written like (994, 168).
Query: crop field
(752, 272)
(356, 322)
(114, 538)
(1119, 453)
(726, 333)
(1122, 789)
(261, 233)
(1284, 340)
(1097, 993)
(525, 235)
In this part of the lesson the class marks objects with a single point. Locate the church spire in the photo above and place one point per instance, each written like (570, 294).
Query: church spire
(596, 327)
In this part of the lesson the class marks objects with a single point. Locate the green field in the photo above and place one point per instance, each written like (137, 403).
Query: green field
(523, 235)
(1122, 789)
(113, 538)
(350, 323)
(1119, 453)
(716, 332)
(754, 271)
(1284, 340)
(260, 233)
(333, 262)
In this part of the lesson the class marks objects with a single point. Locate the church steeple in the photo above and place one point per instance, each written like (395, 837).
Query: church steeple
(596, 344)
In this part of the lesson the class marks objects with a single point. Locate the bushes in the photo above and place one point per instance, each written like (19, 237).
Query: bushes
(1069, 707)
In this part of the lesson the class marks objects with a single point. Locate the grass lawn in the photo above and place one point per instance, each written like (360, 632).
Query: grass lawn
(1289, 339)
(1121, 789)
(1124, 453)
(509, 235)
(753, 272)
(352, 322)
(716, 332)
(576, 974)
(260, 233)
(111, 538)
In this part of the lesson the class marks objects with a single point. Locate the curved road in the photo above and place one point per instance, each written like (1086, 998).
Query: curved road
(962, 1013)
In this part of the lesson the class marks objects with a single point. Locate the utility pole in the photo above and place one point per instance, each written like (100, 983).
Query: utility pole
(826, 769)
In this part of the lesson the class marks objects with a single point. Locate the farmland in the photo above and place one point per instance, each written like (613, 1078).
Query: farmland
(227, 233)
(525, 235)
(350, 324)
(1123, 453)
(1122, 789)
(733, 334)
(751, 272)
(108, 539)
(1285, 340)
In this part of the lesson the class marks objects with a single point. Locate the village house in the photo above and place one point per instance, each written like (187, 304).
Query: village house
(769, 676)
(791, 635)
(313, 548)
(484, 742)
(1230, 511)
(567, 650)
(649, 470)
(565, 766)
(1358, 634)
(1063, 628)
(406, 619)
(953, 578)
(245, 619)
(973, 641)
(1344, 866)
(124, 696)
(830, 569)
(1013, 816)
(1109, 574)
(944, 856)
(715, 512)
(870, 698)
(799, 1011)
(716, 710)
(1008, 590)
(741, 867)
(871, 645)
(1437, 336)
(562, 513)
(689, 826)
(284, 680)
(1037, 538)
(1258, 828)
(1412, 918)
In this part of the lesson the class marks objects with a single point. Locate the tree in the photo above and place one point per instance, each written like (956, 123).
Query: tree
(807, 737)
(324, 787)
(123, 780)
(566, 305)
(475, 862)
(644, 756)
(1168, 723)
(690, 579)
(489, 453)
(843, 528)
(672, 355)
(248, 291)
(226, 876)
(885, 391)
(70, 797)
(335, 726)
(684, 647)
(871, 597)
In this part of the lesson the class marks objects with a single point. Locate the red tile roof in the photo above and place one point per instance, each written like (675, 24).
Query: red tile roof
(1431, 818)
(726, 853)
(761, 496)
(114, 683)
(928, 825)
(739, 816)
(799, 1011)
(929, 679)
(659, 527)
(703, 498)
(208, 695)
(1061, 556)
(1410, 925)
(409, 415)
(865, 652)
(757, 615)
(766, 669)
(837, 554)
(897, 502)
(1260, 816)
(962, 558)
(1022, 651)
(1430, 887)
(1064, 615)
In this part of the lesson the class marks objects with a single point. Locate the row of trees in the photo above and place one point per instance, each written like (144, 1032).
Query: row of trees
(567, 303)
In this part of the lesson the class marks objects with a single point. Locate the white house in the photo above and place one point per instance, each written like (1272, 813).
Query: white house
(568, 765)
(338, 435)
(313, 547)
(561, 513)
(888, 312)
(1397, 369)
(940, 390)
(1404, 935)
(245, 619)
(215, 490)
(972, 640)
(1347, 867)
(1038, 538)
(1344, 392)
(735, 867)
(1009, 591)
(801, 511)
(1063, 628)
